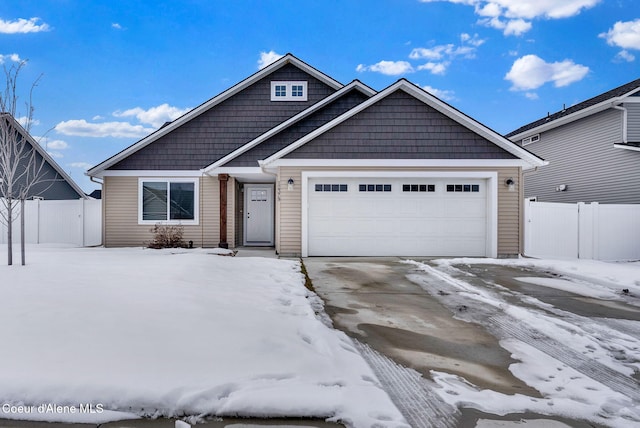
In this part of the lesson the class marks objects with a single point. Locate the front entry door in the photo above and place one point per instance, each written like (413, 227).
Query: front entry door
(258, 217)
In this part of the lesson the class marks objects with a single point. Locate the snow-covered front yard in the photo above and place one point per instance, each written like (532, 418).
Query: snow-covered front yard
(173, 333)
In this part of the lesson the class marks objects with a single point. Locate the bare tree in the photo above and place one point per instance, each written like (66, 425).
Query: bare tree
(21, 167)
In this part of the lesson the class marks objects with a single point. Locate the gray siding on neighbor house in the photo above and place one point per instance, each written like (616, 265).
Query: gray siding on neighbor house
(226, 126)
(582, 157)
(299, 129)
(50, 186)
(400, 127)
(633, 122)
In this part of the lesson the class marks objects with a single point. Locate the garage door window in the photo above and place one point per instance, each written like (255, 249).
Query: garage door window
(331, 188)
(374, 187)
(418, 187)
(463, 187)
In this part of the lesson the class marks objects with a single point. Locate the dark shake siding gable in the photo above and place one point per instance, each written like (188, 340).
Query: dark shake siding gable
(400, 126)
(300, 129)
(226, 126)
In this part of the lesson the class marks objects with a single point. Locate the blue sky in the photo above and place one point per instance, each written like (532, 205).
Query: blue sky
(113, 71)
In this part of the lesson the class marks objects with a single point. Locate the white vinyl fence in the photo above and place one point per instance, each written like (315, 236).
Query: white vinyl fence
(77, 222)
(585, 231)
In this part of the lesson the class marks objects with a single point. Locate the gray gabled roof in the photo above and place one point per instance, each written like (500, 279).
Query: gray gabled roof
(592, 105)
(167, 128)
(42, 152)
(431, 101)
(355, 85)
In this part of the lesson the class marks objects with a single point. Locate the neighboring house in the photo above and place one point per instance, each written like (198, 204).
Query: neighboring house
(593, 150)
(54, 183)
(291, 158)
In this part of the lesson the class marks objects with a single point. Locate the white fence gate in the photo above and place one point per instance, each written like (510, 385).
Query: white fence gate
(585, 231)
(77, 222)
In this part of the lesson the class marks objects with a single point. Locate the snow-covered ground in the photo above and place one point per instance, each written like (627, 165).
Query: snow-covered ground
(173, 333)
(582, 366)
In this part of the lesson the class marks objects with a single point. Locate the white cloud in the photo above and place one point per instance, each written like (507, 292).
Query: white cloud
(441, 56)
(55, 155)
(513, 16)
(625, 35)
(82, 128)
(267, 58)
(474, 40)
(436, 52)
(531, 95)
(530, 9)
(440, 93)
(22, 25)
(22, 120)
(116, 26)
(81, 165)
(10, 57)
(155, 116)
(512, 27)
(435, 67)
(531, 72)
(625, 55)
(389, 68)
(56, 144)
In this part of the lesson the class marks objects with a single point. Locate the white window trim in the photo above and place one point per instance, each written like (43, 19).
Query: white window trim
(289, 85)
(491, 177)
(196, 201)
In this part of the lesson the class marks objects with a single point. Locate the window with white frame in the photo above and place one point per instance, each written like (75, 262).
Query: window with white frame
(169, 201)
(289, 91)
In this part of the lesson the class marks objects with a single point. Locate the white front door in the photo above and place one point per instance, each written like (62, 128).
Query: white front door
(258, 214)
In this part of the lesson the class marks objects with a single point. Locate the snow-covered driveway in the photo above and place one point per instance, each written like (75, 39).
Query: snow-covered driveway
(173, 333)
(530, 339)
(572, 326)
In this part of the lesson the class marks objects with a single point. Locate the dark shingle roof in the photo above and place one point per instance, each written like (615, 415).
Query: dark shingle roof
(614, 93)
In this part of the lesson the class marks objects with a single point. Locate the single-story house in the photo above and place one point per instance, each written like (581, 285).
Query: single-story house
(52, 182)
(291, 158)
(593, 150)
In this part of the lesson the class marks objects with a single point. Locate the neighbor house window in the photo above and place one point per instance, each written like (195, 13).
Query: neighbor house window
(289, 91)
(168, 201)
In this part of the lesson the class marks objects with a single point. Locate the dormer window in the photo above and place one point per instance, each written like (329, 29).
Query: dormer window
(289, 91)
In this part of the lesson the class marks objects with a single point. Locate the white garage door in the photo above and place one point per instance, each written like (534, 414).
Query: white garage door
(397, 217)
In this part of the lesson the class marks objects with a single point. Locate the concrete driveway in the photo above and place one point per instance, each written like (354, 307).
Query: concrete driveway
(417, 320)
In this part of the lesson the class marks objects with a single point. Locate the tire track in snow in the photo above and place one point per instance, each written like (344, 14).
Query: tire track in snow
(410, 392)
(615, 380)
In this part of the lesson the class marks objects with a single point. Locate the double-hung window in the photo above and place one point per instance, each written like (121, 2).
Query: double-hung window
(168, 201)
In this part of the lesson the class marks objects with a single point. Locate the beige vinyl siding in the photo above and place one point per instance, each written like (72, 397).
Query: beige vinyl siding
(121, 228)
(289, 212)
(289, 207)
(509, 213)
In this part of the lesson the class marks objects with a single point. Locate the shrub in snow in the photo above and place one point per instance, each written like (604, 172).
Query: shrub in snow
(165, 236)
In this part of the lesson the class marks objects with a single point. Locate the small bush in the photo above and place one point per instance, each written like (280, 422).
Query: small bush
(165, 236)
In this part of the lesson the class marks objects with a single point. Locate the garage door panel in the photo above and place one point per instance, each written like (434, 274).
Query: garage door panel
(397, 222)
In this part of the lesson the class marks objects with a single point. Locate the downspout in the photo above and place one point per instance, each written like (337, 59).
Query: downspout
(624, 121)
(95, 180)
